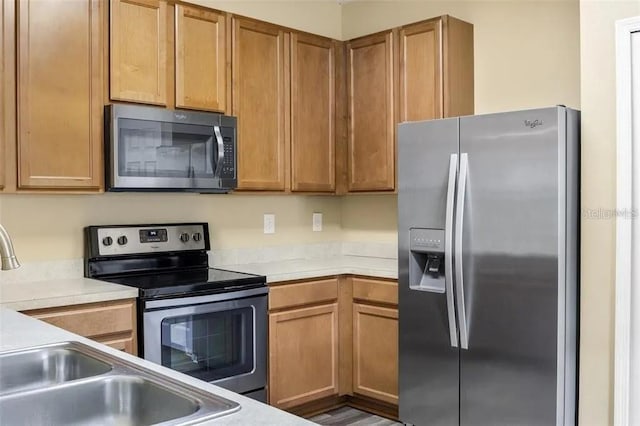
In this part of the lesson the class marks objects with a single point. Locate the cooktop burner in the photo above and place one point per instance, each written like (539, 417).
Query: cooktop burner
(188, 282)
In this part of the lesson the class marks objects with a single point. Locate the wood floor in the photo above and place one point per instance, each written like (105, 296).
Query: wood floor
(350, 416)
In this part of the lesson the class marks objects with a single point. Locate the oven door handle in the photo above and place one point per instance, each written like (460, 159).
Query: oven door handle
(209, 298)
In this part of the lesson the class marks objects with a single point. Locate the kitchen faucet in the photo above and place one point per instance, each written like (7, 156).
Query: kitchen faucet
(9, 260)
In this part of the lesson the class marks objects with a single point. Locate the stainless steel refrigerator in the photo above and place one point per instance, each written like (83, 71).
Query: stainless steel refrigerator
(488, 269)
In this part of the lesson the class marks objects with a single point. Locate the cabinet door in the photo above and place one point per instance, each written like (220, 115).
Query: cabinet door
(261, 104)
(375, 352)
(303, 355)
(139, 51)
(121, 343)
(201, 66)
(371, 141)
(421, 71)
(3, 90)
(60, 93)
(312, 113)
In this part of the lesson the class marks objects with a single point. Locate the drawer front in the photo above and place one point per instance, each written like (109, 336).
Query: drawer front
(91, 320)
(124, 343)
(303, 293)
(376, 291)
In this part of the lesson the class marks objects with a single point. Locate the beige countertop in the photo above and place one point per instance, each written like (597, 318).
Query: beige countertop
(27, 295)
(22, 296)
(20, 331)
(313, 268)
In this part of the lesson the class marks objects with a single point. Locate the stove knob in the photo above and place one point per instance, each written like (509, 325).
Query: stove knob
(122, 240)
(184, 237)
(107, 241)
(197, 237)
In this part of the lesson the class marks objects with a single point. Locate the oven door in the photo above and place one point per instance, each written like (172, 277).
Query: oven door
(219, 338)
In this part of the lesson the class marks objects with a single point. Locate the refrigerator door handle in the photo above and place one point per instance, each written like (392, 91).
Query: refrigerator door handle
(448, 249)
(462, 316)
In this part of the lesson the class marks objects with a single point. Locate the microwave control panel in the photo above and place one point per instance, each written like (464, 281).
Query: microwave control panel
(228, 164)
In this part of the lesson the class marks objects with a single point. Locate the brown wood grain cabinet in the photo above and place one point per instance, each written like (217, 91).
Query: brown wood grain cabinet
(112, 323)
(420, 71)
(375, 352)
(375, 338)
(436, 69)
(5, 49)
(138, 47)
(201, 63)
(371, 113)
(261, 103)
(59, 93)
(332, 338)
(313, 101)
(303, 355)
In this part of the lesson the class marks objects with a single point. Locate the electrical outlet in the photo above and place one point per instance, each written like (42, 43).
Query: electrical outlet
(317, 222)
(269, 223)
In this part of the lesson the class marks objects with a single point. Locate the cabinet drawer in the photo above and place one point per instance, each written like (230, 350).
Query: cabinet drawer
(90, 320)
(377, 291)
(123, 343)
(303, 293)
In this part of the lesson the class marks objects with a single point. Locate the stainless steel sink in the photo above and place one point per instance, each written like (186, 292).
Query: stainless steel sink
(46, 366)
(118, 400)
(93, 387)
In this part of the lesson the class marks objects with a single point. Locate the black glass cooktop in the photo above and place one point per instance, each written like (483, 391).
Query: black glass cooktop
(189, 282)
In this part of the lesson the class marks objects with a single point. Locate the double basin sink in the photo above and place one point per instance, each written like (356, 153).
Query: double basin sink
(73, 384)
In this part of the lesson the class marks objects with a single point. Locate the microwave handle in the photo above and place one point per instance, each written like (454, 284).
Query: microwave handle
(218, 135)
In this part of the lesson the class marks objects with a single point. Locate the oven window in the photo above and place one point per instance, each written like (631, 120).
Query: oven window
(170, 150)
(209, 346)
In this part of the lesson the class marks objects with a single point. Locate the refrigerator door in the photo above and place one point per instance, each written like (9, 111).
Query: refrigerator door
(509, 223)
(429, 363)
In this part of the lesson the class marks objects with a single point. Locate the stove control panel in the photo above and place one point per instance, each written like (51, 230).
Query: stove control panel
(140, 239)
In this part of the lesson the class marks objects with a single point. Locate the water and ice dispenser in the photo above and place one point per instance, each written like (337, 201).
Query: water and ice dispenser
(426, 262)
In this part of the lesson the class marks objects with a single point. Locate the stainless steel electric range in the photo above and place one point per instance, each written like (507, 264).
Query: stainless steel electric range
(205, 322)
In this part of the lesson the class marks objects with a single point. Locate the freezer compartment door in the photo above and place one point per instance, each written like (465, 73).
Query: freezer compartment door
(507, 256)
(428, 351)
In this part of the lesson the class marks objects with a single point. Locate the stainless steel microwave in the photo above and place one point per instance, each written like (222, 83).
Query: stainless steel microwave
(157, 149)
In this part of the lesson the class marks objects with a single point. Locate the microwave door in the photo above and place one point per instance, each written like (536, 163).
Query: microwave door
(155, 155)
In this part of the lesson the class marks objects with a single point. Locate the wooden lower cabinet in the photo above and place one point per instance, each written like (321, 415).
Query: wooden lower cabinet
(112, 323)
(333, 338)
(303, 355)
(375, 352)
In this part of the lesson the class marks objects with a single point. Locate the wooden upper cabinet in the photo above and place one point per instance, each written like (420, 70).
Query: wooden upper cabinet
(3, 89)
(436, 69)
(312, 113)
(371, 133)
(139, 51)
(260, 101)
(60, 93)
(421, 71)
(201, 66)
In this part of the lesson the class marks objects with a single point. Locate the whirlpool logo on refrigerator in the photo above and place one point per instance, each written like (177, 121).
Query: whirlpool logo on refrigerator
(533, 123)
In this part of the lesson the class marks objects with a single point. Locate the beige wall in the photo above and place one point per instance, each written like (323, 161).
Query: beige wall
(527, 55)
(598, 191)
(526, 52)
(50, 227)
(314, 16)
